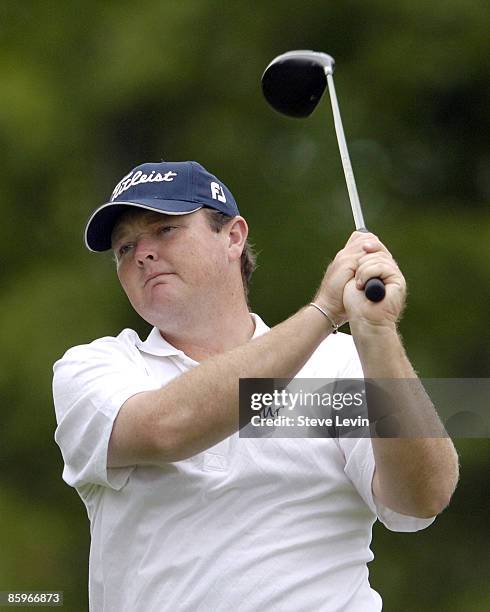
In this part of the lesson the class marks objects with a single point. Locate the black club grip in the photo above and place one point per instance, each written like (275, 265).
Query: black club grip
(374, 289)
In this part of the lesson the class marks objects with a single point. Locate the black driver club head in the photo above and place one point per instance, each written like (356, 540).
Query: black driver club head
(294, 82)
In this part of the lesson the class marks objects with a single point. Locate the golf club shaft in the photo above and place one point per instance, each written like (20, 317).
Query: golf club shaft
(374, 288)
(344, 155)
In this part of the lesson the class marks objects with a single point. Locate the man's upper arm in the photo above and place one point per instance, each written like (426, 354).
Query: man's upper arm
(135, 439)
(90, 384)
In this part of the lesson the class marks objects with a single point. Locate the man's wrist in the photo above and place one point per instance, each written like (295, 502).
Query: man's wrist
(327, 315)
(331, 309)
(363, 328)
(319, 319)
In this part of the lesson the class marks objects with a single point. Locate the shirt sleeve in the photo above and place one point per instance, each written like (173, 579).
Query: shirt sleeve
(359, 468)
(90, 384)
(360, 465)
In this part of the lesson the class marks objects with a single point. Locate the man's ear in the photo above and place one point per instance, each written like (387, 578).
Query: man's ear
(237, 231)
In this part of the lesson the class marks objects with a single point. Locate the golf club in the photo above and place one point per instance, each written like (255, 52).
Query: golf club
(293, 84)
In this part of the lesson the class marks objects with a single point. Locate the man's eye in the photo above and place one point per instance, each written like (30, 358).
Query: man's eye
(166, 229)
(123, 249)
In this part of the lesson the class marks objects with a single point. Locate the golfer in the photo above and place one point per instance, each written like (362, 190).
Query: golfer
(185, 514)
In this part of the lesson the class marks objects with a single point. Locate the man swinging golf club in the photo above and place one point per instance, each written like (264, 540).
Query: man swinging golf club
(186, 514)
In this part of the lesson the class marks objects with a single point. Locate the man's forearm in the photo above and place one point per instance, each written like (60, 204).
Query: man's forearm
(417, 472)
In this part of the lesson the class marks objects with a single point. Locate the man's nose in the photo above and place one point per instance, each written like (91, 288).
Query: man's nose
(146, 250)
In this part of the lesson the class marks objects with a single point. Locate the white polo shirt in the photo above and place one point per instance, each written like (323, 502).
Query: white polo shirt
(249, 525)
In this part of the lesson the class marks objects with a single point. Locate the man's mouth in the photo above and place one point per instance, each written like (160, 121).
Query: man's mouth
(157, 275)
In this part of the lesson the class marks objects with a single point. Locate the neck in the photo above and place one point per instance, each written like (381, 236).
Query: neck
(223, 330)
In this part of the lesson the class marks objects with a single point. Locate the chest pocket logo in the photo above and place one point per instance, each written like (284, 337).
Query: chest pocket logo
(214, 462)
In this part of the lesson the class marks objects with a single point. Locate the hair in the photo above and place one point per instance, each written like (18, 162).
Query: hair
(217, 220)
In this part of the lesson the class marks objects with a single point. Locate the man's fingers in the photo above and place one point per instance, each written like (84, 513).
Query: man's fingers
(358, 237)
(363, 242)
(359, 249)
(376, 266)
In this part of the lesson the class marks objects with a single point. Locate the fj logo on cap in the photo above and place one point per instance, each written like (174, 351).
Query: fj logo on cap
(217, 192)
(129, 181)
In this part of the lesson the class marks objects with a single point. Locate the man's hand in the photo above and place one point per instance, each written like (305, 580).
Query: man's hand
(342, 289)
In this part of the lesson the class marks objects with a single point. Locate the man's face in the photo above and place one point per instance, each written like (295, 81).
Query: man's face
(169, 265)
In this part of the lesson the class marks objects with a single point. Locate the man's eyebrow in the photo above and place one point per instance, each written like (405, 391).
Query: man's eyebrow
(121, 230)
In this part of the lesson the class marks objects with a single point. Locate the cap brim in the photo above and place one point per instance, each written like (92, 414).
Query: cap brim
(99, 227)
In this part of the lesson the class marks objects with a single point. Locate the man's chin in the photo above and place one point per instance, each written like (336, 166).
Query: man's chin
(164, 315)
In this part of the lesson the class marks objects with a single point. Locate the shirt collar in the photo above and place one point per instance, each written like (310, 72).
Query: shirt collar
(155, 344)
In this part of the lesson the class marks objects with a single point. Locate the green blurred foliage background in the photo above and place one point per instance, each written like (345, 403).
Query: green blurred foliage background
(89, 90)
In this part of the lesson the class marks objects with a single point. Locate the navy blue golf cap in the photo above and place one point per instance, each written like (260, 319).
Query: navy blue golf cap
(173, 188)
